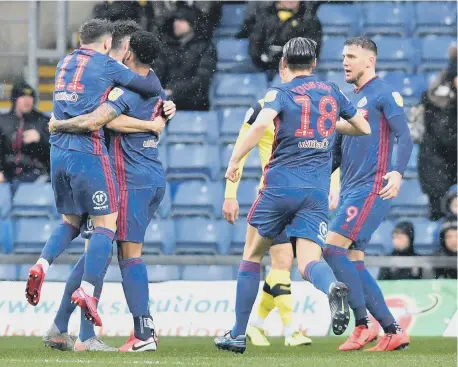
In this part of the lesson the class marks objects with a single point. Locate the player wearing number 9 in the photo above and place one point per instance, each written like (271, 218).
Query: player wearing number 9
(296, 182)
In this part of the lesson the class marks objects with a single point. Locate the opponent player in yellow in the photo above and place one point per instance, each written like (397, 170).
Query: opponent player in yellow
(277, 287)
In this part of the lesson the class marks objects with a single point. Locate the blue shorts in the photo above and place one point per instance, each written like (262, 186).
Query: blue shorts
(83, 183)
(136, 209)
(302, 213)
(359, 214)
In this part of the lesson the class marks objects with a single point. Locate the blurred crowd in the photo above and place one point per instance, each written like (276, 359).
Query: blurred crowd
(186, 67)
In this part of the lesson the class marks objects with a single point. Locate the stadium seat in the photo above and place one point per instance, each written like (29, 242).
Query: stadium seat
(252, 167)
(162, 273)
(331, 53)
(434, 53)
(411, 201)
(238, 236)
(247, 194)
(5, 199)
(395, 53)
(231, 122)
(396, 19)
(381, 242)
(202, 236)
(165, 206)
(198, 198)
(411, 87)
(34, 200)
(8, 272)
(238, 89)
(193, 127)
(205, 273)
(31, 234)
(435, 18)
(159, 238)
(162, 150)
(6, 236)
(424, 236)
(233, 56)
(193, 161)
(337, 77)
(58, 272)
(412, 166)
(232, 18)
(340, 20)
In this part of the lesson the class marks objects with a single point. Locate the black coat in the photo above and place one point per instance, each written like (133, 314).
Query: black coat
(23, 158)
(187, 70)
(401, 273)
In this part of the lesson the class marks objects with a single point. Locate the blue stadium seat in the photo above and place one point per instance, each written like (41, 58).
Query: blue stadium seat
(412, 166)
(231, 121)
(252, 167)
(5, 199)
(58, 272)
(193, 161)
(193, 127)
(6, 236)
(331, 53)
(435, 18)
(160, 238)
(381, 243)
(233, 56)
(396, 19)
(165, 206)
(411, 87)
(198, 198)
(163, 273)
(424, 236)
(339, 19)
(204, 272)
(32, 199)
(338, 78)
(8, 272)
(238, 89)
(411, 201)
(238, 236)
(395, 53)
(31, 234)
(247, 194)
(434, 53)
(162, 151)
(202, 236)
(232, 18)
(113, 274)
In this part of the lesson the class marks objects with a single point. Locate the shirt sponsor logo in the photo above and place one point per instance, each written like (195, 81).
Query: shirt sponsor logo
(151, 143)
(313, 144)
(63, 96)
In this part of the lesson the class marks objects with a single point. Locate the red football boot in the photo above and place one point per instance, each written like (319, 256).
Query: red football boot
(88, 304)
(360, 337)
(391, 342)
(34, 283)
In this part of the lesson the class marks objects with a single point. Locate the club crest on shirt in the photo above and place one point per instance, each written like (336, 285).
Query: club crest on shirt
(398, 99)
(362, 102)
(271, 95)
(115, 94)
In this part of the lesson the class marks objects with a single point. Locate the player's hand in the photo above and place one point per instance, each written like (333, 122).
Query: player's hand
(391, 190)
(232, 173)
(333, 199)
(52, 124)
(158, 124)
(31, 136)
(169, 109)
(231, 210)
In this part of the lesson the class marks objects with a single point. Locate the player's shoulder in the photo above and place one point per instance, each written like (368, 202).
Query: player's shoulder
(387, 93)
(124, 93)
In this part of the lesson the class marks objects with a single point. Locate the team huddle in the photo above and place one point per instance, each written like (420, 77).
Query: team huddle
(108, 113)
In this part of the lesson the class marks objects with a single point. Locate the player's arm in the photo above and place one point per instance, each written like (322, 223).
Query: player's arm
(131, 125)
(351, 123)
(391, 105)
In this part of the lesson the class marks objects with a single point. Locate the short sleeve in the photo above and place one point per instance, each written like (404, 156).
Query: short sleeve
(274, 99)
(347, 110)
(253, 113)
(117, 72)
(391, 104)
(122, 100)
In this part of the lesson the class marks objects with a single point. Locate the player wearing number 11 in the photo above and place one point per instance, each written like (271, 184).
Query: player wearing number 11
(296, 182)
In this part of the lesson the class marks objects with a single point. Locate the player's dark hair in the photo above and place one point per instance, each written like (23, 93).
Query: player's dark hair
(121, 30)
(145, 46)
(92, 30)
(299, 53)
(363, 42)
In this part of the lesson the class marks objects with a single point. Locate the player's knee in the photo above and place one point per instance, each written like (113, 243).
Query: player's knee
(338, 240)
(281, 257)
(107, 221)
(356, 255)
(74, 220)
(307, 251)
(128, 250)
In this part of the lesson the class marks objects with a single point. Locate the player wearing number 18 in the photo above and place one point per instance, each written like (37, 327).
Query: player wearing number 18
(296, 182)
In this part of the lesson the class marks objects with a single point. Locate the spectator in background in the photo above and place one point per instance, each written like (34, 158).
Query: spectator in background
(187, 64)
(437, 160)
(403, 242)
(448, 245)
(274, 26)
(140, 11)
(24, 139)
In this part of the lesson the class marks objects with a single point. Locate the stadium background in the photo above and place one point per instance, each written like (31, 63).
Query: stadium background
(189, 242)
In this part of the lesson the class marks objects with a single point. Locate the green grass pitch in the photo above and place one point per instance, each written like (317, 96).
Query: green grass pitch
(427, 352)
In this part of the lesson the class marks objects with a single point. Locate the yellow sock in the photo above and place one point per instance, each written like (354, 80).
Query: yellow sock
(267, 302)
(280, 288)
